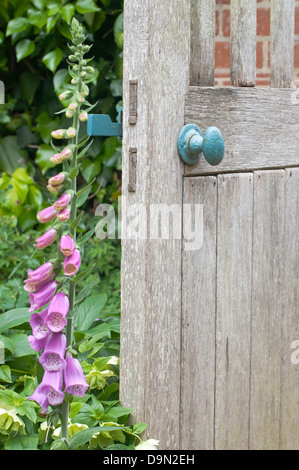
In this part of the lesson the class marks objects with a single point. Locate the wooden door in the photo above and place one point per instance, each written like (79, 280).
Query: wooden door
(207, 333)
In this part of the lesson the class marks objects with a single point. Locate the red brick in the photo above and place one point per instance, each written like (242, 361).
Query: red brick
(222, 54)
(223, 2)
(262, 82)
(297, 20)
(263, 75)
(226, 23)
(259, 55)
(263, 22)
(296, 54)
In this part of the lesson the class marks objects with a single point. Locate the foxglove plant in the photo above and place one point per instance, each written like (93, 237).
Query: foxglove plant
(52, 300)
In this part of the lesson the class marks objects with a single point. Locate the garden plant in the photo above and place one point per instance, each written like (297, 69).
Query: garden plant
(59, 370)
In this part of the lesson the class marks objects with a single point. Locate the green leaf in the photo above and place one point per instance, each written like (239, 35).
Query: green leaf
(86, 237)
(119, 31)
(13, 318)
(37, 18)
(29, 84)
(89, 311)
(5, 374)
(43, 155)
(86, 6)
(24, 48)
(16, 25)
(83, 194)
(77, 221)
(53, 59)
(139, 428)
(84, 436)
(21, 345)
(67, 12)
(83, 274)
(22, 443)
(11, 156)
(60, 79)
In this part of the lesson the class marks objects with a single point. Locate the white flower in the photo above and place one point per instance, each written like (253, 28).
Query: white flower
(150, 444)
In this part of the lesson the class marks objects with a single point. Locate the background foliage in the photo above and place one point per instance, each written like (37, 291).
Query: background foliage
(33, 50)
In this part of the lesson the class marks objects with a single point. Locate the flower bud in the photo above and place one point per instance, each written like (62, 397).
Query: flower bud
(64, 215)
(66, 153)
(62, 202)
(81, 99)
(46, 239)
(74, 81)
(73, 106)
(72, 58)
(58, 134)
(57, 158)
(57, 180)
(54, 189)
(71, 132)
(69, 113)
(46, 215)
(83, 116)
(89, 69)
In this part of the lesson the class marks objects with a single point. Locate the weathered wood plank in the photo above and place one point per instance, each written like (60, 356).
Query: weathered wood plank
(202, 50)
(267, 309)
(151, 275)
(198, 321)
(234, 260)
(282, 43)
(243, 42)
(289, 409)
(260, 127)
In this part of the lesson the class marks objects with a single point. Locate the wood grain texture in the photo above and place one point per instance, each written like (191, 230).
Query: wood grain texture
(267, 308)
(243, 42)
(198, 322)
(289, 408)
(260, 127)
(282, 43)
(234, 273)
(202, 50)
(151, 269)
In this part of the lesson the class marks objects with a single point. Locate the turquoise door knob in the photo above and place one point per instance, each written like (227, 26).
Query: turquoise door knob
(192, 144)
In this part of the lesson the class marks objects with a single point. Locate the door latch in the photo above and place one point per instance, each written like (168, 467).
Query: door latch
(102, 125)
(192, 144)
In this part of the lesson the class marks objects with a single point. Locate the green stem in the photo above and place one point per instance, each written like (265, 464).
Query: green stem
(72, 286)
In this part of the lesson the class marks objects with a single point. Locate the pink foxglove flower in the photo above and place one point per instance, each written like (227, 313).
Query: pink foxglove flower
(46, 239)
(46, 215)
(62, 202)
(74, 380)
(34, 286)
(37, 344)
(42, 297)
(71, 132)
(41, 399)
(39, 325)
(72, 263)
(52, 358)
(67, 245)
(51, 386)
(57, 312)
(64, 215)
(42, 273)
(58, 134)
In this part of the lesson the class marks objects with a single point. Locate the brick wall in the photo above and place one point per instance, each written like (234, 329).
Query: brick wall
(222, 48)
